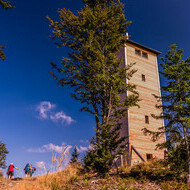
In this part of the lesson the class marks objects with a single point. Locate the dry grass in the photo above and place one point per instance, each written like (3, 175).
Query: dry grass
(52, 181)
(147, 176)
(72, 178)
(53, 178)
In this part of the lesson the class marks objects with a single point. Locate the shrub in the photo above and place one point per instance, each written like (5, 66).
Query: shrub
(174, 185)
(1, 174)
(154, 170)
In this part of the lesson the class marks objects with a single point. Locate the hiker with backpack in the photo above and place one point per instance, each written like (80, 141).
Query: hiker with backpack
(32, 169)
(27, 170)
(10, 171)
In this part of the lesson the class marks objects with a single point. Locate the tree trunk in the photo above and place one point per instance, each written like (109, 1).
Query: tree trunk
(97, 120)
(188, 153)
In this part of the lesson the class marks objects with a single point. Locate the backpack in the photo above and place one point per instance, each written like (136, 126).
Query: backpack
(27, 167)
(11, 168)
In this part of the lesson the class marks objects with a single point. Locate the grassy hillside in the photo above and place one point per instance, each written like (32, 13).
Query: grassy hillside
(149, 176)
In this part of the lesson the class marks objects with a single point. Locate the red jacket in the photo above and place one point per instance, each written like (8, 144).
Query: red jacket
(11, 168)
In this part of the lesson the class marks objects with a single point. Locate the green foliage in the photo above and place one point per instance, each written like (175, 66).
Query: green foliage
(93, 3)
(176, 102)
(5, 5)
(175, 185)
(155, 170)
(105, 149)
(2, 54)
(176, 97)
(75, 155)
(177, 158)
(1, 174)
(94, 35)
(73, 180)
(3, 153)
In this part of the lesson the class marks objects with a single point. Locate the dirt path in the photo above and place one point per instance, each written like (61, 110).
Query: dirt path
(7, 184)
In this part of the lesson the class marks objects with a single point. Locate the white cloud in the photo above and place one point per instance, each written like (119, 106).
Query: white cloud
(45, 109)
(40, 164)
(84, 141)
(51, 148)
(61, 116)
(81, 149)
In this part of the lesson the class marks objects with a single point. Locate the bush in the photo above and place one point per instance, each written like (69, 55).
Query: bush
(1, 173)
(154, 170)
(175, 185)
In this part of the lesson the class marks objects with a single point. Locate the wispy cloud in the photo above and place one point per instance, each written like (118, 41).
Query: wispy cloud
(81, 149)
(50, 148)
(84, 141)
(46, 111)
(61, 116)
(40, 164)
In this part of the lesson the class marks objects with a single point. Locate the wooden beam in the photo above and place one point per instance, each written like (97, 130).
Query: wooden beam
(138, 154)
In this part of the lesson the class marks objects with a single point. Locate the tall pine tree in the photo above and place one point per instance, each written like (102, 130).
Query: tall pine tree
(3, 153)
(177, 157)
(94, 35)
(75, 155)
(176, 101)
(5, 5)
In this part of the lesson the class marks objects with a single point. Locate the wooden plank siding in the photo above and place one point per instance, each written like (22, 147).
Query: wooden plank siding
(132, 125)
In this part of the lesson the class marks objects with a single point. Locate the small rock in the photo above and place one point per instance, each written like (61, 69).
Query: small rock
(94, 182)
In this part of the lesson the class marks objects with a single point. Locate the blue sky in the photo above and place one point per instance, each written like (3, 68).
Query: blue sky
(36, 115)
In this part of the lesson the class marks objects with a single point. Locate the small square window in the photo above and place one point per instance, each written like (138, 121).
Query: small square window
(145, 55)
(143, 78)
(137, 52)
(149, 156)
(146, 119)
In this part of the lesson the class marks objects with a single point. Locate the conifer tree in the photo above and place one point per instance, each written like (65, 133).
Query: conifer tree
(75, 155)
(3, 153)
(176, 101)
(94, 35)
(2, 54)
(5, 5)
(177, 157)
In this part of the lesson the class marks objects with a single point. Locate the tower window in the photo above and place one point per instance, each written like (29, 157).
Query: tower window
(145, 55)
(149, 156)
(146, 119)
(137, 52)
(143, 78)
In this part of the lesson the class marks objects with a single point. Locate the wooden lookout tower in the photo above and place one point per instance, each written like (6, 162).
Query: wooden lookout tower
(141, 147)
